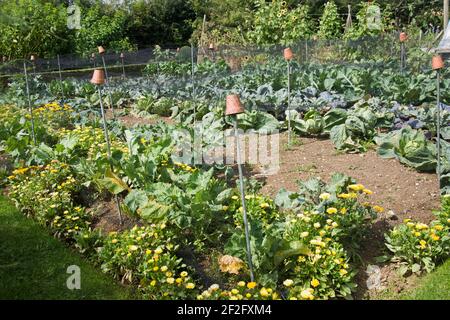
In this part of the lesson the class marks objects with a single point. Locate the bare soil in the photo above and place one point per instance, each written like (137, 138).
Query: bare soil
(107, 217)
(403, 190)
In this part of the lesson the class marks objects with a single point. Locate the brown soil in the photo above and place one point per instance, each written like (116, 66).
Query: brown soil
(407, 193)
(107, 217)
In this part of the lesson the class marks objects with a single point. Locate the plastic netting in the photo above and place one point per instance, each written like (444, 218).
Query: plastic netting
(369, 52)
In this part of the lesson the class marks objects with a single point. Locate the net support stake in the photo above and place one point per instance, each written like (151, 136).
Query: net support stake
(61, 80)
(193, 81)
(289, 101)
(108, 88)
(123, 68)
(244, 208)
(30, 108)
(438, 124)
(108, 146)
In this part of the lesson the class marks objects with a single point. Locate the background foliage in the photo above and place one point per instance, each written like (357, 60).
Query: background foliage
(40, 26)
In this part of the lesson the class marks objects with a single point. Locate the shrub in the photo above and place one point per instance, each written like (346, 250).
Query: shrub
(146, 256)
(45, 193)
(418, 246)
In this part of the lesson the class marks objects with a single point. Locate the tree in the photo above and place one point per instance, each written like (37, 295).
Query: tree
(33, 26)
(163, 22)
(98, 28)
(330, 23)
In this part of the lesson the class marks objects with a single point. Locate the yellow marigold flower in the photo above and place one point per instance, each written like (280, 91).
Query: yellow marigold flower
(179, 280)
(158, 251)
(170, 280)
(356, 187)
(343, 210)
(241, 284)
(288, 282)
(114, 241)
(307, 294)
(378, 209)
(367, 191)
(264, 292)
(264, 205)
(423, 244)
(325, 196)
(164, 268)
(156, 268)
(190, 285)
(214, 287)
(148, 252)
(184, 274)
(315, 283)
(406, 220)
(343, 272)
(234, 291)
(317, 225)
(304, 234)
(331, 210)
(234, 197)
(153, 283)
(248, 295)
(438, 227)
(421, 226)
(417, 234)
(251, 285)
(435, 237)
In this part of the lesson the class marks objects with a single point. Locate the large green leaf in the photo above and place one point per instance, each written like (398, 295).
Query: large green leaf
(113, 183)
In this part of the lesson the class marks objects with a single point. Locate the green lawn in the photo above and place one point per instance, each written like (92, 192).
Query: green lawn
(33, 264)
(434, 286)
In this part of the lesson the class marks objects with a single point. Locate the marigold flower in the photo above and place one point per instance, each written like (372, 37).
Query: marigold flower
(264, 292)
(251, 285)
(325, 196)
(190, 285)
(315, 282)
(170, 280)
(288, 282)
(435, 237)
(378, 209)
(331, 210)
(307, 294)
